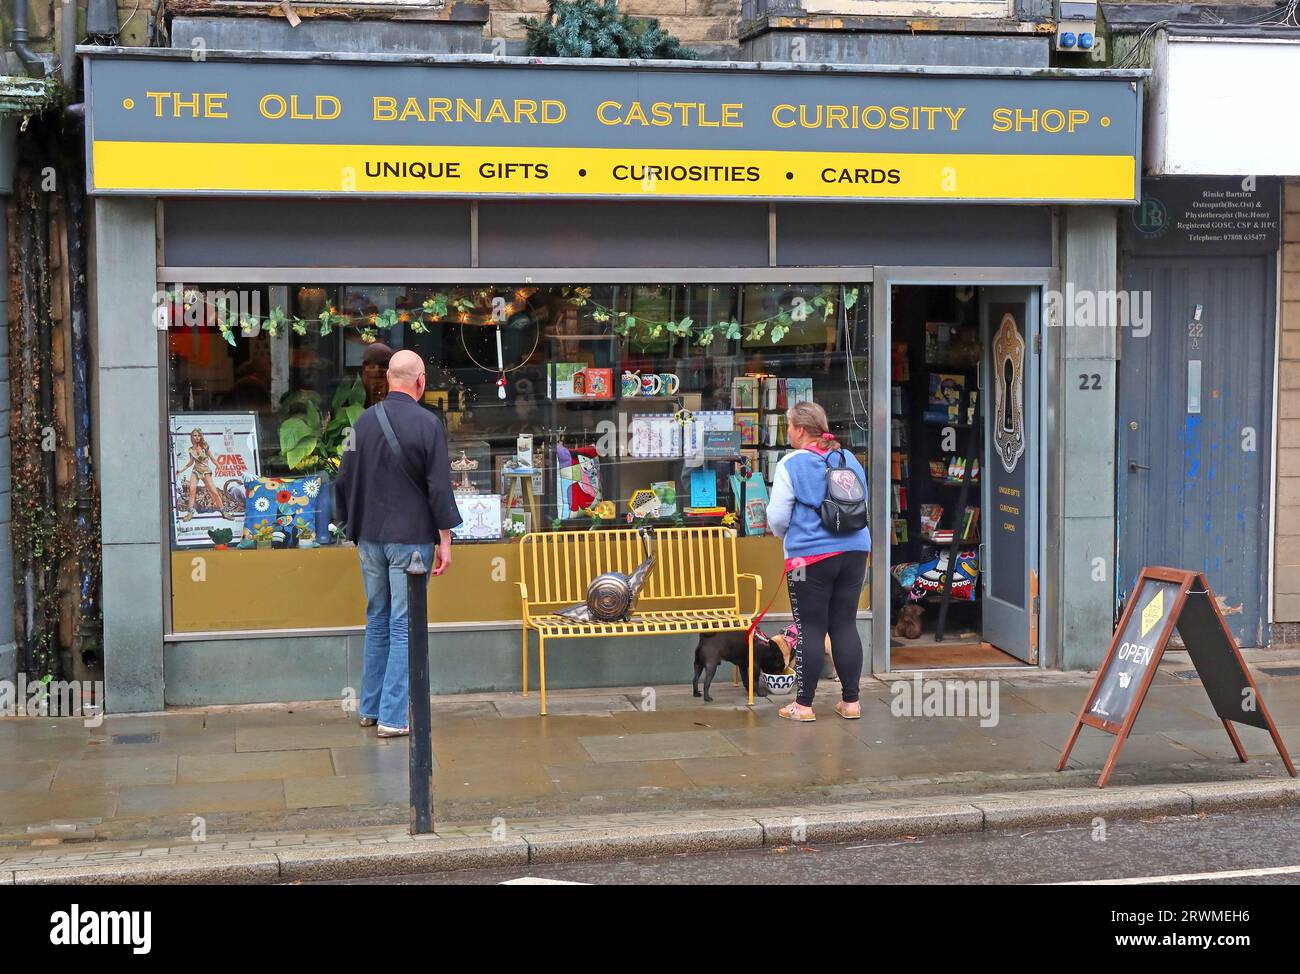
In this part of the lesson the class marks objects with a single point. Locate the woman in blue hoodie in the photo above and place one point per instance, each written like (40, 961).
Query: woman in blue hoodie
(825, 571)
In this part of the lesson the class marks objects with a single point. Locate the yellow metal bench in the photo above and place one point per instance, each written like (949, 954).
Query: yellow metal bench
(694, 586)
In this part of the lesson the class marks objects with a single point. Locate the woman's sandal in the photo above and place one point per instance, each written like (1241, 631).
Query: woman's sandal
(855, 714)
(789, 713)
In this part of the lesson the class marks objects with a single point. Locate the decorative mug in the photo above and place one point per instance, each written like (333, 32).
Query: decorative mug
(651, 383)
(631, 384)
(671, 383)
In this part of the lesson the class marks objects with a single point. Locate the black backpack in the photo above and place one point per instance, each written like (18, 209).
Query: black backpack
(844, 511)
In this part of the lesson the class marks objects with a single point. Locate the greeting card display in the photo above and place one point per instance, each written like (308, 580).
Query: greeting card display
(480, 517)
(747, 424)
(744, 392)
(654, 436)
(702, 422)
(798, 390)
(751, 501)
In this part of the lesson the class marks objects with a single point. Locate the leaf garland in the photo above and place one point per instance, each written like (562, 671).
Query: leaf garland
(467, 308)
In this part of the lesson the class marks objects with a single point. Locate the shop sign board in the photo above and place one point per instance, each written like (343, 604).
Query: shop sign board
(1202, 216)
(164, 123)
(1165, 599)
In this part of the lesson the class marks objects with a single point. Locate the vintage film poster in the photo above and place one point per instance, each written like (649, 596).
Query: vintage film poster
(211, 454)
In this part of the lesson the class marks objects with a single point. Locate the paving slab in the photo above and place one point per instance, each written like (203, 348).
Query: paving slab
(669, 746)
(256, 765)
(202, 799)
(77, 775)
(306, 737)
(27, 775)
(39, 807)
(596, 779)
(528, 706)
(360, 789)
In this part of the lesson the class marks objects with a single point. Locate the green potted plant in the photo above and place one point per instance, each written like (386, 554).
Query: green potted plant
(313, 440)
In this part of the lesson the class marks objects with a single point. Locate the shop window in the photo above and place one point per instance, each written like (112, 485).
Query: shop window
(566, 407)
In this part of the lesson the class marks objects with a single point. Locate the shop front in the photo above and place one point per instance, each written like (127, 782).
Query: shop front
(619, 278)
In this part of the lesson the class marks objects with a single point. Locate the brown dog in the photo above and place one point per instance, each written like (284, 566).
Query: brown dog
(909, 622)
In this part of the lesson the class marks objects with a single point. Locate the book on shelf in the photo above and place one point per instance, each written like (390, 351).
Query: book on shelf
(898, 400)
(899, 369)
(930, 517)
(900, 468)
(898, 528)
(970, 524)
(897, 433)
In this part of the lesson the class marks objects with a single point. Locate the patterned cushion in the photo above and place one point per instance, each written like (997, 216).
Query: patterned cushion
(281, 511)
(324, 510)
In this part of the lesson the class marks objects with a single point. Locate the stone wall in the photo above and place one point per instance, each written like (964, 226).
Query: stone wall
(1286, 575)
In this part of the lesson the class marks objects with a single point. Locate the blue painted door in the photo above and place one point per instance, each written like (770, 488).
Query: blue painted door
(1009, 472)
(1195, 429)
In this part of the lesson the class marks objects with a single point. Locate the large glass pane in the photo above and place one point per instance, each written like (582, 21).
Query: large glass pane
(566, 406)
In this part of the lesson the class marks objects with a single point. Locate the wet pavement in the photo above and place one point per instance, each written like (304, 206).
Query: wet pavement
(292, 769)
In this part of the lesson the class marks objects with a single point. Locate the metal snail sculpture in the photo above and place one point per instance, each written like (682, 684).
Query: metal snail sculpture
(611, 596)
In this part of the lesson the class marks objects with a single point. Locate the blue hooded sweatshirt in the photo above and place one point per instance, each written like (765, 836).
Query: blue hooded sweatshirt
(798, 489)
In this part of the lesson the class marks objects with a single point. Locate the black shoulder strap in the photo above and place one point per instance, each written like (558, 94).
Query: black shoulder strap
(403, 461)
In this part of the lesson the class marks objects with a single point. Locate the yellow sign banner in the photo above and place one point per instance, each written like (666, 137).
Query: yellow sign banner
(231, 167)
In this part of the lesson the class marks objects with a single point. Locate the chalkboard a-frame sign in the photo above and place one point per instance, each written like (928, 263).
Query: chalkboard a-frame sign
(1162, 599)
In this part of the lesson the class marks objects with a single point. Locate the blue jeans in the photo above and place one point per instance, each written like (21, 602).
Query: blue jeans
(384, 689)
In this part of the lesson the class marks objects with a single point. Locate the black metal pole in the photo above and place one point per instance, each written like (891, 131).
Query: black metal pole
(417, 652)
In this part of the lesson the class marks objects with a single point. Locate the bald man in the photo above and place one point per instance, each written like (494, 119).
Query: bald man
(394, 497)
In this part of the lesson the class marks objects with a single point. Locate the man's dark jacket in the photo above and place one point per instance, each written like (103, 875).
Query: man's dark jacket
(375, 499)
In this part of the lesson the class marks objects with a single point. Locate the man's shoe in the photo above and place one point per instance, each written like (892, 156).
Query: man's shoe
(368, 722)
(386, 731)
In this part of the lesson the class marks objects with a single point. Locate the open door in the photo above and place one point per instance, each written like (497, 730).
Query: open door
(1009, 319)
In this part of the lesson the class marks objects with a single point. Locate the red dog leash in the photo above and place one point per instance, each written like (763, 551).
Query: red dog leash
(770, 602)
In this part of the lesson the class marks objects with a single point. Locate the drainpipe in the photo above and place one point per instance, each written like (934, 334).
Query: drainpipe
(19, 42)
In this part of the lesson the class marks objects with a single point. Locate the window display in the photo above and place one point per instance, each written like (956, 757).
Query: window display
(565, 406)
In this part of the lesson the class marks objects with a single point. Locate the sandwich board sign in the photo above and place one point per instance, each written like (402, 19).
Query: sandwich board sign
(1164, 599)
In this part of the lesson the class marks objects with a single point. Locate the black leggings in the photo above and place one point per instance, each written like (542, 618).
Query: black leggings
(824, 599)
